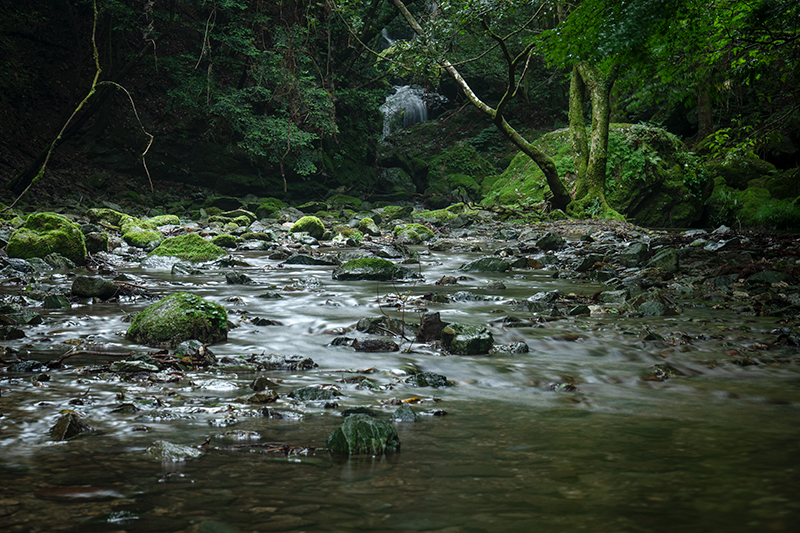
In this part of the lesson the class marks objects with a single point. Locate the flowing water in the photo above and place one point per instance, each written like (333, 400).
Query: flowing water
(510, 447)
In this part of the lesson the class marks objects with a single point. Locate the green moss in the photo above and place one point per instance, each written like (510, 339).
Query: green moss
(46, 233)
(225, 240)
(339, 201)
(189, 247)
(177, 318)
(164, 220)
(309, 224)
(268, 207)
(393, 212)
(413, 233)
(445, 215)
(346, 232)
(107, 216)
(140, 234)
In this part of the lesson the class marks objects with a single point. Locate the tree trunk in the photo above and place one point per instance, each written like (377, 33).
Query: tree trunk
(592, 180)
(705, 110)
(577, 126)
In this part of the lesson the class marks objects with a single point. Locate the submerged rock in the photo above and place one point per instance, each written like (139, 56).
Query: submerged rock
(314, 393)
(362, 434)
(167, 451)
(375, 345)
(404, 413)
(179, 317)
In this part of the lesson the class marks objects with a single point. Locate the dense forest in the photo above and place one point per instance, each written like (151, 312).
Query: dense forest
(136, 101)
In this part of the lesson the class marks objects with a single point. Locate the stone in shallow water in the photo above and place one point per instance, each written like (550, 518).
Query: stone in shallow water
(428, 379)
(467, 339)
(68, 426)
(310, 394)
(404, 413)
(167, 451)
(486, 264)
(363, 434)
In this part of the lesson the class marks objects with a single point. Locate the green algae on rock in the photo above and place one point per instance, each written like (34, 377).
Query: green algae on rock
(373, 269)
(189, 247)
(412, 234)
(177, 318)
(362, 434)
(45, 233)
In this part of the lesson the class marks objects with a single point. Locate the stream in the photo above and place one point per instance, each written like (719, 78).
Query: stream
(570, 436)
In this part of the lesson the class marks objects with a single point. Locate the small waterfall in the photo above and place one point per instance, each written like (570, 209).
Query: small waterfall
(408, 105)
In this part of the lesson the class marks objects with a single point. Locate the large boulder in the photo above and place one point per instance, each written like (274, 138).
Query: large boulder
(189, 247)
(362, 434)
(177, 318)
(45, 233)
(93, 287)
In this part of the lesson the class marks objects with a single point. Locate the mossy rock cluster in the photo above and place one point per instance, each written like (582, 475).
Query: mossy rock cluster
(45, 233)
(268, 207)
(177, 318)
(413, 234)
(189, 247)
(141, 234)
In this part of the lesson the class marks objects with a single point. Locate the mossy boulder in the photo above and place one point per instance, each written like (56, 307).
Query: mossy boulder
(177, 318)
(225, 240)
(372, 269)
(395, 212)
(363, 434)
(189, 247)
(102, 215)
(367, 226)
(412, 234)
(141, 234)
(164, 220)
(268, 207)
(739, 171)
(46, 233)
(753, 207)
(309, 224)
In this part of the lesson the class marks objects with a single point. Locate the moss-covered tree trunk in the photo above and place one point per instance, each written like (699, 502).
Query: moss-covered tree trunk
(705, 110)
(591, 156)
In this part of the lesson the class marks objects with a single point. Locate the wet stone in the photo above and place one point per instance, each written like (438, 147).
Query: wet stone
(132, 366)
(261, 383)
(467, 339)
(430, 328)
(305, 259)
(550, 241)
(665, 259)
(30, 318)
(93, 287)
(238, 278)
(613, 297)
(265, 396)
(68, 426)
(8, 333)
(404, 413)
(284, 362)
(167, 451)
(362, 434)
(311, 394)
(56, 301)
(26, 366)
(486, 264)
(375, 345)
(428, 379)
(513, 348)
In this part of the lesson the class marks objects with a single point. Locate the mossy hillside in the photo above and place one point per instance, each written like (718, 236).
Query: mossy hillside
(189, 247)
(46, 233)
(177, 318)
(309, 224)
(651, 177)
(753, 207)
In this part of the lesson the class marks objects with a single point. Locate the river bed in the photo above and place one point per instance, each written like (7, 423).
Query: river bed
(573, 435)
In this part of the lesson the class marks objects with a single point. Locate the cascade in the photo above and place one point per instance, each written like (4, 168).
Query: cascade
(405, 107)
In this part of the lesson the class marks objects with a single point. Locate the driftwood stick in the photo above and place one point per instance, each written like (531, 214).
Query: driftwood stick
(55, 363)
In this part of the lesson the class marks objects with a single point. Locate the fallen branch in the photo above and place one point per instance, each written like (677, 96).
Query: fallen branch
(55, 363)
